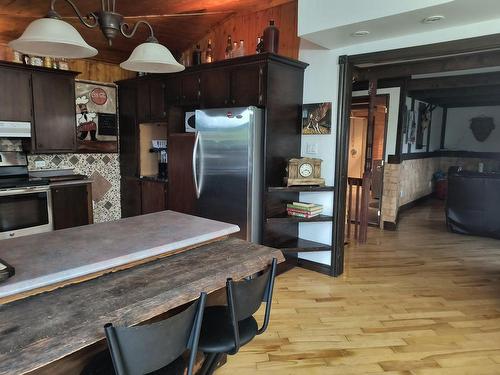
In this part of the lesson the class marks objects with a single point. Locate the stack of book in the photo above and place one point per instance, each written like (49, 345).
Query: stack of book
(305, 210)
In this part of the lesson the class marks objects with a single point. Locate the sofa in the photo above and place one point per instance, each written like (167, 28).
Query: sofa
(473, 203)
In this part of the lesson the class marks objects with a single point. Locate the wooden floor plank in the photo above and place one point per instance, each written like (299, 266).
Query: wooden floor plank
(419, 301)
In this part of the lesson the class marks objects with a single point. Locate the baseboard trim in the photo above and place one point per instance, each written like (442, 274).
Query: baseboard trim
(389, 225)
(314, 266)
(416, 202)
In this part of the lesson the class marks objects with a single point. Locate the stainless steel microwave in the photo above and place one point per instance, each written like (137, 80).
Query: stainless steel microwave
(26, 210)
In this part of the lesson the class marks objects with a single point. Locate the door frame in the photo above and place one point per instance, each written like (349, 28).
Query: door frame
(469, 53)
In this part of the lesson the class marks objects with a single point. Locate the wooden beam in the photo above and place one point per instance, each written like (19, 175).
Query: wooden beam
(456, 92)
(434, 65)
(476, 44)
(443, 127)
(455, 82)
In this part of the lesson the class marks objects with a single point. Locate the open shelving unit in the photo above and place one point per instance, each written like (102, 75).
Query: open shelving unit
(284, 227)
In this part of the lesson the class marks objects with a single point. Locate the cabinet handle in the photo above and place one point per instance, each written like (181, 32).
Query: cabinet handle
(225, 101)
(233, 101)
(164, 114)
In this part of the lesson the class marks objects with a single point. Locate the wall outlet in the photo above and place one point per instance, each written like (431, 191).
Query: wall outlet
(312, 148)
(39, 164)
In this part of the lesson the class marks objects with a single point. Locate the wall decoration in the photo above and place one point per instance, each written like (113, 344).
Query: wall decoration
(482, 127)
(317, 118)
(96, 117)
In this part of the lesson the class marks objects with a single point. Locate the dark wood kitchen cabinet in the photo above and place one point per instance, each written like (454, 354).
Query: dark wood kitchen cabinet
(15, 95)
(142, 196)
(72, 205)
(153, 196)
(184, 90)
(151, 100)
(181, 189)
(54, 112)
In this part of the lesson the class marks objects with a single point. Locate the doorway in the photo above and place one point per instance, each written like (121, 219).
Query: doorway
(358, 150)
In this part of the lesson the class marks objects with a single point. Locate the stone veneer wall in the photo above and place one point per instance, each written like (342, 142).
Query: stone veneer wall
(104, 169)
(412, 179)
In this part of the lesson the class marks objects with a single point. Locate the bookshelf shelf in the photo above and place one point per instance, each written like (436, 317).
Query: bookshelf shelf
(299, 245)
(298, 189)
(293, 219)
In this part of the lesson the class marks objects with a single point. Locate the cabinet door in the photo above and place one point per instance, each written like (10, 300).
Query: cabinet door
(173, 90)
(157, 99)
(54, 112)
(130, 196)
(15, 95)
(215, 88)
(247, 86)
(190, 85)
(71, 206)
(181, 190)
(143, 101)
(153, 196)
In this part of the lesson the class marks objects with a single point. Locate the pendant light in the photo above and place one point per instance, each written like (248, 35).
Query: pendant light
(53, 37)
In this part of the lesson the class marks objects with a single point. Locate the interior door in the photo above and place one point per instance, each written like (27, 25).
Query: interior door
(221, 165)
(357, 146)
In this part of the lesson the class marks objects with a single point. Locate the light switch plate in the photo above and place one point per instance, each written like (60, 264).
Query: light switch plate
(312, 148)
(40, 164)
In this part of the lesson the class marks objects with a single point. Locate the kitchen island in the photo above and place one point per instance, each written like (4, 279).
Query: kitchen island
(56, 332)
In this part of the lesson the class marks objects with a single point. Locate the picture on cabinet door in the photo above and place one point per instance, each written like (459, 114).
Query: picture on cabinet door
(317, 118)
(96, 119)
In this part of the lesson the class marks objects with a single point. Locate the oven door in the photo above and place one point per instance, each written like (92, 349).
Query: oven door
(25, 211)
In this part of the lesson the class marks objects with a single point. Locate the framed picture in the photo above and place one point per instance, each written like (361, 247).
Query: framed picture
(317, 118)
(96, 117)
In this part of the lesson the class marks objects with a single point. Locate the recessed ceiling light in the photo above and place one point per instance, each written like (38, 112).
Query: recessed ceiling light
(432, 19)
(360, 33)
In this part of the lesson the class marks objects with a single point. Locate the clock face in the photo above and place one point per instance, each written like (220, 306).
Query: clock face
(306, 170)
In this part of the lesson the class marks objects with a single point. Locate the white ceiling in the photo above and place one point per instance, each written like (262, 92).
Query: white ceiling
(396, 22)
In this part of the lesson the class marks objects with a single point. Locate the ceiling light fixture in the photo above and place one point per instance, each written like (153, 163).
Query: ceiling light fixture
(432, 19)
(51, 36)
(360, 33)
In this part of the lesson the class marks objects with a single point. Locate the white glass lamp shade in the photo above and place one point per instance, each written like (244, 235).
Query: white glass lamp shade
(152, 57)
(54, 38)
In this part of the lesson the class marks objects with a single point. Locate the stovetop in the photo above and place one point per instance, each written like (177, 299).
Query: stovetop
(20, 182)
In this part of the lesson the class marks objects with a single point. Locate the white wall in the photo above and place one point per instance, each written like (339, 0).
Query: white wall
(321, 84)
(459, 135)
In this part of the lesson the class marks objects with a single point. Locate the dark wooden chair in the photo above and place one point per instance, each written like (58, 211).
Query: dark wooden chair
(153, 349)
(226, 328)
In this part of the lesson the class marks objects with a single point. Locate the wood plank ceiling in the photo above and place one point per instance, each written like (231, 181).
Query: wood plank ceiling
(173, 24)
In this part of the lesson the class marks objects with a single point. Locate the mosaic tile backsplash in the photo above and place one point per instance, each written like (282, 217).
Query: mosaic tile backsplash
(104, 169)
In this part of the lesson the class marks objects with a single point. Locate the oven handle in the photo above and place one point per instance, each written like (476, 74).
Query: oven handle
(26, 190)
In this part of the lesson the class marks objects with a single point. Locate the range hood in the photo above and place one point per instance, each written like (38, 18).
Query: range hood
(15, 129)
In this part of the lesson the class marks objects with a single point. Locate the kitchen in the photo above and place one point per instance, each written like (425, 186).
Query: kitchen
(161, 161)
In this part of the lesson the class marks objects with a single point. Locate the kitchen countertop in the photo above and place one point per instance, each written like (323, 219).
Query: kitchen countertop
(55, 332)
(50, 258)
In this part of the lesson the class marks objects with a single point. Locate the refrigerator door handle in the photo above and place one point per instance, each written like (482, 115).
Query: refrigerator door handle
(195, 171)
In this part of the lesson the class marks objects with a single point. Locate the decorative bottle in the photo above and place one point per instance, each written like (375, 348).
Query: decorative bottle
(241, 49)
(229, 48)
(271, 38)
(197, 55)
(209, 57)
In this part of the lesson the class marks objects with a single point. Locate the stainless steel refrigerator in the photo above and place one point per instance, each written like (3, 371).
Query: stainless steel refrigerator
(227, 167)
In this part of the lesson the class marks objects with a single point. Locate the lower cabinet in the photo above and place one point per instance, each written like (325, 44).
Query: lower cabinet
(72, 205)
(139, 197)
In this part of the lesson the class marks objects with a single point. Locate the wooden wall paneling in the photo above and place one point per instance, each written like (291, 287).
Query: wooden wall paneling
(251, 25)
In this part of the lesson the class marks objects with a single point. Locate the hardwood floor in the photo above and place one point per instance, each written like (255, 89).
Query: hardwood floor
(420, 301)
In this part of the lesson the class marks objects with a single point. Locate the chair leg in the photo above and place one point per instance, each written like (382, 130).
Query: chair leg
(207, 363)
(215, 362)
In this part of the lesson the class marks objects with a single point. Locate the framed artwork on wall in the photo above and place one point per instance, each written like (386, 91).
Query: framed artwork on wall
(96, 117)
(317, 118)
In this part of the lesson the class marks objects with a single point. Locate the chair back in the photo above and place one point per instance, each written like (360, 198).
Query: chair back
(246, 296)
(143, 349)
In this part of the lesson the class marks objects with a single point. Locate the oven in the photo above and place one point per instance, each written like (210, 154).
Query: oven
(25, 210)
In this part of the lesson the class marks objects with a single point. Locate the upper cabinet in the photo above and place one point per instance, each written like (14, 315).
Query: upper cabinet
(46, 98)
(184, 90)
(54, 112)
(151, 100)
(15, 97)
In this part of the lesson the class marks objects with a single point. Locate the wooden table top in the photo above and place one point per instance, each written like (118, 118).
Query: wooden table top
(41, 329)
